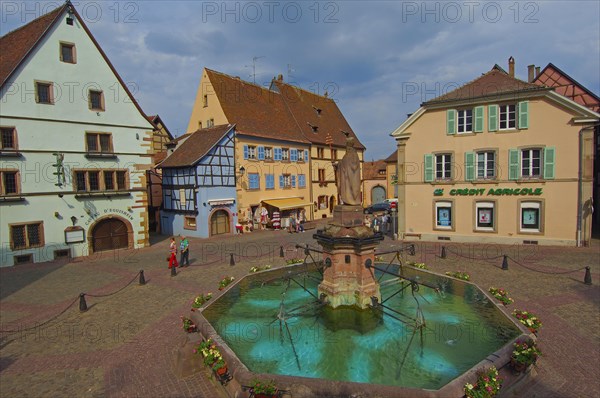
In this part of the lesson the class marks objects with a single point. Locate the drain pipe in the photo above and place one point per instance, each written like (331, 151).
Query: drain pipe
(580, 185)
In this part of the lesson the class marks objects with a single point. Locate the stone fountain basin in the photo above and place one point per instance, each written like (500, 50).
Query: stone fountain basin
(312, 387)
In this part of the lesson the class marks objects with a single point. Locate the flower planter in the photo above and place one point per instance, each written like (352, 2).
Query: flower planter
(221, 371)
(519, 367)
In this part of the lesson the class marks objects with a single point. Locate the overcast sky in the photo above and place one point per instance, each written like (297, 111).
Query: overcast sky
(378, 59)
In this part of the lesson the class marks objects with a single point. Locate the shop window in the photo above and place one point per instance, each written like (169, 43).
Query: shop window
(322, 202)
(190, 223)
(531, 217)
(444, 215)
(485, 216)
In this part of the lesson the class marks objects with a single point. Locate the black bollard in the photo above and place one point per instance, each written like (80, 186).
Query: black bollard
(505, 262)
(231, 260)
(82, 303)
(173, 270)
(443, 252)
(281, 253)
(587, 279)
(142, 279)
(411, 249)
(306, 250)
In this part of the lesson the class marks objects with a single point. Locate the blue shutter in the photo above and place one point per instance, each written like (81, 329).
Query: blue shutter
(450, 121)
(478, 119)
(492, 117)
(302, 180)
(293, 181)
(294, 155)
(281, 182)
(277, 152)
(245, 152)
(428, 162)
(523, 115)
(306, 155)
(549, 162)
(261, 153)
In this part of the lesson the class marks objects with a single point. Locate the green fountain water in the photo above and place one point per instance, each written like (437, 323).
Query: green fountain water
(347, 344)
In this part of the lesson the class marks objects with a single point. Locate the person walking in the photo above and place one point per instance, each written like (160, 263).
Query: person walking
(173, 251)
(184, 247)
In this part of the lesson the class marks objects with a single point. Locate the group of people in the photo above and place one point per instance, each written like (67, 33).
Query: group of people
(184, 249)
(296, 222)
(379, 223)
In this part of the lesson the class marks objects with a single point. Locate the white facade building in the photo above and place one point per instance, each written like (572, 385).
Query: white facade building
(73, 155)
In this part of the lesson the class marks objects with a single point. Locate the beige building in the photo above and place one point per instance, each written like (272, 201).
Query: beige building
(497, 160)
(286, 142)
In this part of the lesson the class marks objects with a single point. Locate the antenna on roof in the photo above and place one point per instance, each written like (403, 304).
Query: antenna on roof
(253, 66)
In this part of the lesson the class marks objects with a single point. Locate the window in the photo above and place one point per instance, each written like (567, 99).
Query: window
(8, 138)
(9, 182)
(99, 142)
(287, 181)
(270, 181)
(443, 166)
(205, 100)
(320, 153)
(322, 202)
(199, 125)
(190, 223)
(285, 154)
(443, 215)
(96, 100)
(321, 175)
(300, 155)
(210, 123)
(508, 118)
(268, 153)
(334, 154)
(100, 180)
(43, 93)
(67, 53)
(465, 121)
(486, 165)
(531, 163)
(26, 236)
(530, 217)
(301, 181)
(253, 181)
(485, 216)
(251, 152)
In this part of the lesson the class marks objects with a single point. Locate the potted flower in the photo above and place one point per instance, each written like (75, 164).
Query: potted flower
(219, 367)
(201, 299)
(212, 355)
(459, 275)
(525, 354)
(487, 385)
(225, 282)
(418, 265)
(262, 389)
(501, 295)
(294, 261)
(188, 324)
(528, 319)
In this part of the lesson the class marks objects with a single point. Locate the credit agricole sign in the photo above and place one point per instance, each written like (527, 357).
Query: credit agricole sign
(490, 192)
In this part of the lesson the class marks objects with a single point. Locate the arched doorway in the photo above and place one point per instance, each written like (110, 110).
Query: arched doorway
(377, 194)
(220, 223)
(110, 234)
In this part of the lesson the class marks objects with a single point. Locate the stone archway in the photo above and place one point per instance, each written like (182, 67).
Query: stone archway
(378, 194)
(110, 233)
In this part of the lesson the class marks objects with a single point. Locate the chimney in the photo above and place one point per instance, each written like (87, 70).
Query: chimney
(537, 71)
(511, 67)
(530, 72)
(280, 77)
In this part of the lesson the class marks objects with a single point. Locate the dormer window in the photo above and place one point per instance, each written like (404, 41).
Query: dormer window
(318, 110)
(314, 128)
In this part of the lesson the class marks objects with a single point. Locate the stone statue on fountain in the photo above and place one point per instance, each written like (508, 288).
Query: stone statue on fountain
(348, 175)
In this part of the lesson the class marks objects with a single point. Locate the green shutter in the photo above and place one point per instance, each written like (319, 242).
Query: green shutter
(492, 117)
(478, 119)
(450, 121)
(469, 166)
(523, 115)
(428, 167)
(549, 161)
(513, 164)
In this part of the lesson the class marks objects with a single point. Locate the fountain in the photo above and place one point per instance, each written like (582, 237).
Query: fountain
(347, 325)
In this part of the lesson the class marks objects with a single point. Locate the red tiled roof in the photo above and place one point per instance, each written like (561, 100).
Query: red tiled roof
(565, 85)
(393, 158)
(492, 83)
(195, 146)
(371, 170)
(15, 45)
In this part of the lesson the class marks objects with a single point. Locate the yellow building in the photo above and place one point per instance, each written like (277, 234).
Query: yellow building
(496, 160)
(286, 140)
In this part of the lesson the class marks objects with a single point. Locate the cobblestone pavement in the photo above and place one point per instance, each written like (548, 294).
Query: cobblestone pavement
(124, 345)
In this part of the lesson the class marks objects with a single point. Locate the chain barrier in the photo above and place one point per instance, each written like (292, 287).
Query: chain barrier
(546, 272)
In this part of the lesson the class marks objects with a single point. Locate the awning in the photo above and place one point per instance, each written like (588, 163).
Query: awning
(287, 203)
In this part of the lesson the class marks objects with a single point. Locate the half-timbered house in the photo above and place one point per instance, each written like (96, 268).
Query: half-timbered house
(199, 185)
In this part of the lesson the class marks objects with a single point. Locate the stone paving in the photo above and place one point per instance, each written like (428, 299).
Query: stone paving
(125, 344)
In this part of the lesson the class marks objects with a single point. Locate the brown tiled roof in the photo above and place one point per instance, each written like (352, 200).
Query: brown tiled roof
(156, 120)
(492, 83)
(312, 111)
(15, 45)
(255, 110)
(195, 146)
(565, 85)
(393, 158)
(371, 170)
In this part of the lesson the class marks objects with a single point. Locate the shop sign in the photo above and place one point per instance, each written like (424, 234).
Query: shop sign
(490, 192)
